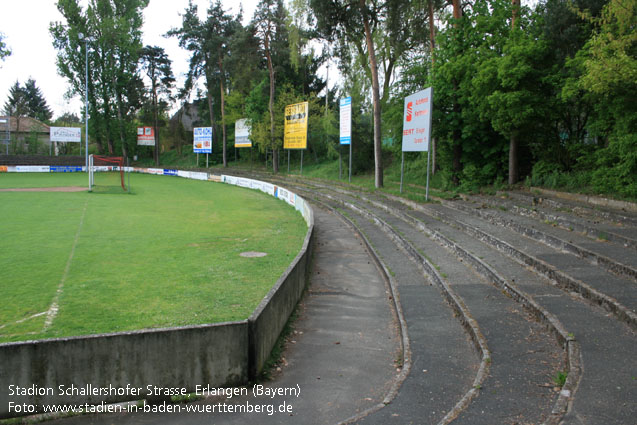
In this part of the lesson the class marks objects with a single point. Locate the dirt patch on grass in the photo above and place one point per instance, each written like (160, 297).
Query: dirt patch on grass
(47, 189)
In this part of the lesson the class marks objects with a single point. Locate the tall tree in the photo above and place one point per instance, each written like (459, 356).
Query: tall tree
(268, 21)
(208, 42)
(222, 29)
(373, 65)
(112, 35)
(611, 74)
(27, 101)
(17, 104)
(514, 135)
(457, 107)
(158, 69)
(387, 35)
(38, 107)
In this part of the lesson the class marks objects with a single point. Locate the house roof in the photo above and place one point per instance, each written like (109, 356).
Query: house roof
(27, 125)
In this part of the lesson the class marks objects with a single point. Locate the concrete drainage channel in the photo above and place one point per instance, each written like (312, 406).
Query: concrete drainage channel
(597, 347)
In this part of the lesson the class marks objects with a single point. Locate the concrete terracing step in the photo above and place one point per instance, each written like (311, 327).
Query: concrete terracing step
(443, 361)
(524, 356)
(611, 256)
(582, 209)
(623, 234)
(571, 273)
(607, 391)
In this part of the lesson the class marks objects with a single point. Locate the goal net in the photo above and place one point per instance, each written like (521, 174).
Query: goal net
(106, 174)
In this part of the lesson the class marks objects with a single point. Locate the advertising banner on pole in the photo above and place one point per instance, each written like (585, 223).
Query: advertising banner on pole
(242, 133)
(202, 142)
(66, 134)
(145, 136)
(417, 121)
(295, 128)
(346, 120)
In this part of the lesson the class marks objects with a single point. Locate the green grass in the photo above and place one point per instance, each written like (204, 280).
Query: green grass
(165, 255)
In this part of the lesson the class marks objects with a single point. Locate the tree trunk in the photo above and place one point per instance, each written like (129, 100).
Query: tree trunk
(97, 139)
(156, 124)
(432, 47)
(457, 156)
(275, 151)
(515, 14)
(457, 110)
(457, 9)
(513, 139)
(107, 114)
(212, 113)
(120, 118)
(378, 160)
(223, 113)
(513, 158)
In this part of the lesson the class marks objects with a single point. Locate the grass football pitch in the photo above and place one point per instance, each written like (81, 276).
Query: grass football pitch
(168, 254)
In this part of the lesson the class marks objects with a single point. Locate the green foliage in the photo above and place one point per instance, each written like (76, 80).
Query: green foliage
(112, 32)
(560, 378)
(27, 101)
(4, 49)
(559, 87)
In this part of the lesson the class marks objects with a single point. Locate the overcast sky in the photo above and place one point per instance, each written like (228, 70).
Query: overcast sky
(25, 25)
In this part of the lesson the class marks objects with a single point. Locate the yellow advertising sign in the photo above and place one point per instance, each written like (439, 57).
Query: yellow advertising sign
(295, 129)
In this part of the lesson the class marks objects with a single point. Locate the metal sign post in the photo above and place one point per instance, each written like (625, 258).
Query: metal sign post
(402, 170)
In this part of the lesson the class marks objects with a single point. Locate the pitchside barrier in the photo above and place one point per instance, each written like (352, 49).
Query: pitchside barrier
(126, 366)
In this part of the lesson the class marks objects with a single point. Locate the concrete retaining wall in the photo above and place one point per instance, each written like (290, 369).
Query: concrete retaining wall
(122, 366)
(270, 317)
(168, 358)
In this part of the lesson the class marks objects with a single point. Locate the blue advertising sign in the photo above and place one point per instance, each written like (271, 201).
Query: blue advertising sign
(65, 169)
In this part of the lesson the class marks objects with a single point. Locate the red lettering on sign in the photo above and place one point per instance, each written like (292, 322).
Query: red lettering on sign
(409, 108)
(423, 112)
(408, 132)
(421, 101)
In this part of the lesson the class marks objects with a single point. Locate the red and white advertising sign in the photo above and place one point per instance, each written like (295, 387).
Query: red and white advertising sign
(417, 121)
(145, 136)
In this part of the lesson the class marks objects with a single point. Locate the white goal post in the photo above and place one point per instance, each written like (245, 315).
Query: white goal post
(105, 163)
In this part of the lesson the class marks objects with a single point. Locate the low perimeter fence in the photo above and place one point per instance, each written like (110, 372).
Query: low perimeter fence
(153, 364)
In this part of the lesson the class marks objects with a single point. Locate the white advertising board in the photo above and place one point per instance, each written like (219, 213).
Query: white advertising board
(202, 142)
(417, 121)
(346, 120)
(66, 134)
(242, 134)
(33, 169)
